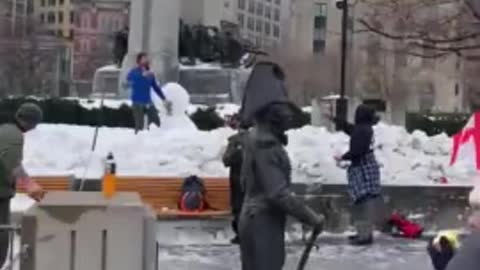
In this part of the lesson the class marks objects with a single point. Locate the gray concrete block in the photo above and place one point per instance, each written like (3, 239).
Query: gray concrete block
(86, 231)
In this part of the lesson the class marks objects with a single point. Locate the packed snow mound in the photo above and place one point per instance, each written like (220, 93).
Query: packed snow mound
(406, 159)
(180, 99)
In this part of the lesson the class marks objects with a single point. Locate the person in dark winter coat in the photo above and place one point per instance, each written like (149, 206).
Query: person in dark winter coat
(266, 172)
(12, 172)
(232, 159)
(442, 248)
(363, 175)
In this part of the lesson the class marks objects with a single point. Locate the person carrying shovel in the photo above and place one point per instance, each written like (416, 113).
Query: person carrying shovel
(266, 172)
(12, 172)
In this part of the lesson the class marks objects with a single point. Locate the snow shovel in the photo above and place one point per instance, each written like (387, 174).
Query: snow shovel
(308, 249)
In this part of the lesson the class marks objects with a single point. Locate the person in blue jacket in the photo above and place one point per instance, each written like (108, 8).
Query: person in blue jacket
(141, 80)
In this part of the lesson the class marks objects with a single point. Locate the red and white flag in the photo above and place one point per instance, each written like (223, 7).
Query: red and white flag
(466, 143)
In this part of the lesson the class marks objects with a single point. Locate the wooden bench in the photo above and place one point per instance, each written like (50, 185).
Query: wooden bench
(52, 183)
(163, 194)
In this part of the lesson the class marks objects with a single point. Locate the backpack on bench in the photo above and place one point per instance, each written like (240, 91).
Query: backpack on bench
(192, 198)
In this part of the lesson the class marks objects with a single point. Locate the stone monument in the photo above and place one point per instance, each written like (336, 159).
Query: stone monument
(154, 29)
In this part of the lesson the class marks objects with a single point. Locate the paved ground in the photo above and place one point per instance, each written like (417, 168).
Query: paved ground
(388, 254)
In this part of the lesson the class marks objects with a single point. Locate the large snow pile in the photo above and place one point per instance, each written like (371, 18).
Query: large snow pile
(406, 158)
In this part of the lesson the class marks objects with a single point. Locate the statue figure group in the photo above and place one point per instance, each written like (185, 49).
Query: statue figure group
(198, 42)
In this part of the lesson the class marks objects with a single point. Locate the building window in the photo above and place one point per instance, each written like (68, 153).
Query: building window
(241, 4)
(259, 26)
(319, 27)
(268, 29)
(318, 46)
(72, 17)
(250, 23)
(60, 17)
(241, 19)
(276, 31)
(61, 2)
(276, 15)
(51, 3)
(42, 3)
(268, 12)
(85, 21)
(260, 9)
(457, 89)
(42, 17)
(320, 15)
(278, 2)
(258, 41)
(93, 23)
(51, 17)
(251, 6)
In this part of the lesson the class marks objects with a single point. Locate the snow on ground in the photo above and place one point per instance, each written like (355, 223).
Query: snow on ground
(407, 159)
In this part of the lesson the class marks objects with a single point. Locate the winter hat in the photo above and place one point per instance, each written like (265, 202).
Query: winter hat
(265, 86)
(29, 115)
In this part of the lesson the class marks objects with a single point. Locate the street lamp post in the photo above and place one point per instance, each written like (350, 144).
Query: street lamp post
(342, 103)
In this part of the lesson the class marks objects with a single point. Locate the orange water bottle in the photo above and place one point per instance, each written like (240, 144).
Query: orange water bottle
(109, 183)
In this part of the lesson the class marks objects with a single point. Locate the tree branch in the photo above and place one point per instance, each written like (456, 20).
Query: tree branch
(406, 37)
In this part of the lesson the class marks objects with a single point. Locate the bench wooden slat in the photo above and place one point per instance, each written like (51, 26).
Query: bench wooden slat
(52, 183)
(163, 193)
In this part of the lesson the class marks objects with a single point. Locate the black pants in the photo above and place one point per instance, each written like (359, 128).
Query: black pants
(139, 112)
(369, 213)
(4, 234)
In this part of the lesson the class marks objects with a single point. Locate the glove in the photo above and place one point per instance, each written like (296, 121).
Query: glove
(319, 222)
(35, 192)
(302, 212)
(168, 106)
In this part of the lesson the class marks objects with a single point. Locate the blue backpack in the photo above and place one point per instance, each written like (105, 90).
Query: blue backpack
(192, 198)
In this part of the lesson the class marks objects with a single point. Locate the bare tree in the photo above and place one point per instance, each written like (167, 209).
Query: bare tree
(28, 60)
(427, 28)
(98, 55)
(308, 77)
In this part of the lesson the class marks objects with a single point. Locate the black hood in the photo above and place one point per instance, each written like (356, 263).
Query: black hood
(265, 86)
(365, 115)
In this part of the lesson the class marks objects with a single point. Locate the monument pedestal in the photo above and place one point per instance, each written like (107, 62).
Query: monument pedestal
(82, 230)
(154, 26)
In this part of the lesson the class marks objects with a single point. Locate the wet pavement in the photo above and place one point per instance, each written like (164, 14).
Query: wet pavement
(388, 254)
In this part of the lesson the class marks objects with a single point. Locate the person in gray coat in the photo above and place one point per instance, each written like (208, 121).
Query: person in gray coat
(266, 172)
(12, 172)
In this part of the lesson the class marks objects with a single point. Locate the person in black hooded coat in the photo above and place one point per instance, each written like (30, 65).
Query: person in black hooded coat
(266, 173)
(363, 174)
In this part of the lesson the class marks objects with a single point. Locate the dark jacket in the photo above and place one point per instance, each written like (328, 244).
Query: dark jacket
(441, 258)
(141, 86)
(232, 158)
(266, 176)
(361, 134)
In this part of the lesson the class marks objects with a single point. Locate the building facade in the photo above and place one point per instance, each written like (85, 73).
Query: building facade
(57, 16)
(95, 25)
(14, 15)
